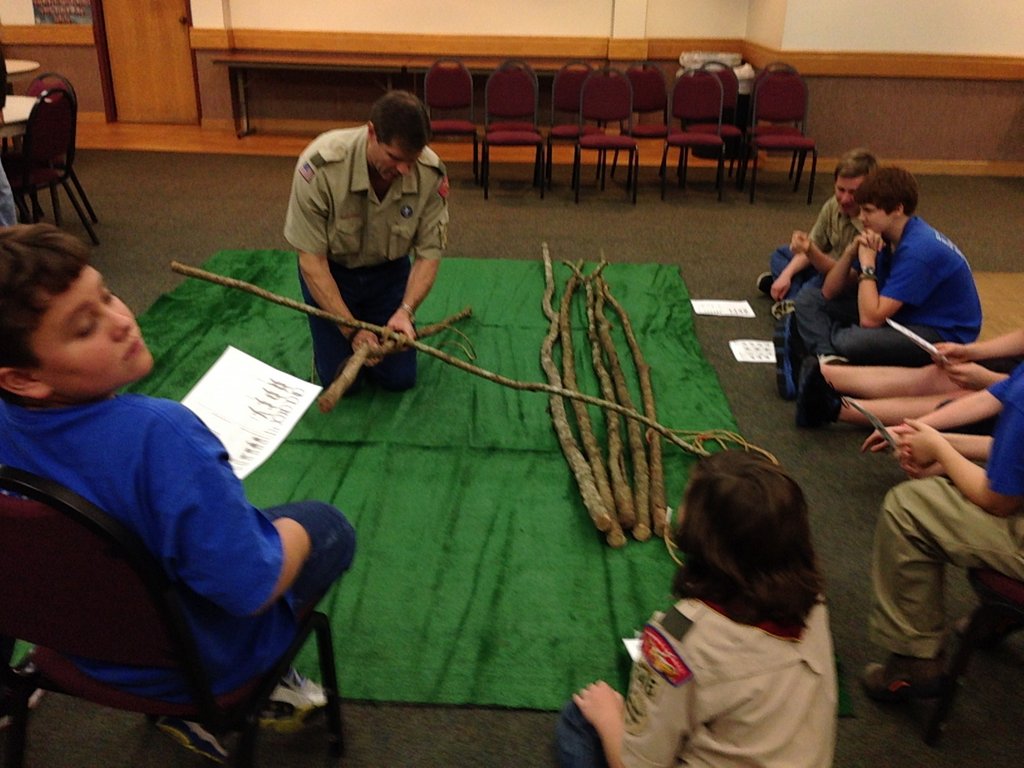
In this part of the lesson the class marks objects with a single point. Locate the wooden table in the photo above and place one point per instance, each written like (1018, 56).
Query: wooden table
(16, 112)
(20, 66)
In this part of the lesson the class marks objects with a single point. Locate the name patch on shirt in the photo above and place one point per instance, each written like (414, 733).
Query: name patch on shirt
(662, 657)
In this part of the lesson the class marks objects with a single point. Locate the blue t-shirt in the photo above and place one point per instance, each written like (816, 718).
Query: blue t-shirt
(155, 466)
(1005, 467)
(932, 278)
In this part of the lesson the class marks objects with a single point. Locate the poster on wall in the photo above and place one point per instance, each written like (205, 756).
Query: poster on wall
(62, 11)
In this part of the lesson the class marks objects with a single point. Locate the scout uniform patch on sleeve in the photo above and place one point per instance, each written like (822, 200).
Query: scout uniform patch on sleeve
(444, 187)
(308, 169)
(660, 654)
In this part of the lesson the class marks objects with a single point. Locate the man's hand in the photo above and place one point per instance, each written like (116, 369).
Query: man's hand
(400, 322)
(368, 339)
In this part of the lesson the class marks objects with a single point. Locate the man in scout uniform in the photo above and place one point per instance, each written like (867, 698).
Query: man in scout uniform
(368, 215)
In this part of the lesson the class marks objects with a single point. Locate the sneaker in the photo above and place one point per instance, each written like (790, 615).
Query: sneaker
(902, 678)
(816, 402)
(294, 702)
(782, 308)
(764, 283)
(193, 737)
(785, 379)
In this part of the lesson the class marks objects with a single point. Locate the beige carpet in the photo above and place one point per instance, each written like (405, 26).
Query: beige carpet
(1001, 303)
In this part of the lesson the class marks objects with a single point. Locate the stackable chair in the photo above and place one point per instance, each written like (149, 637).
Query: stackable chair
(778, 124)
(696, 102)
(650, 100)
(733, 134)
(606, 99)
(78, 583)
(448, 97)
(46, 158)
(510, 117)
(565, 124)
(1001, 611)
(45, 82)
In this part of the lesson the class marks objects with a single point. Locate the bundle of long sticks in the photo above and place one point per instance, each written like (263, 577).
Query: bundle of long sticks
(627, 497)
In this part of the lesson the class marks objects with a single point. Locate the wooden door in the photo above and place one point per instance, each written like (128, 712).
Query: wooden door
(151, 65)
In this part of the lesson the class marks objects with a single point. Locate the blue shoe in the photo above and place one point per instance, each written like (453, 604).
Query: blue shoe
(785, 376)
(193, 737)
(817, 402)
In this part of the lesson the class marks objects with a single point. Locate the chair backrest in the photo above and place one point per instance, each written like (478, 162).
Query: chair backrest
(650, 93)
(565, 90)
(49, 140)
(730, 83)
(696, 98)
(448, 85)
(779, 96)
(49, 80)
(511, 93)
(78, 582)
(607, 97)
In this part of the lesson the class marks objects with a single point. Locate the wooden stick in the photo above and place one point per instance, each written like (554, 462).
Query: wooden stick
(526, 386)
(591, 446)
(616, 463)
(638, 451)
(581, 470)
(654, 455)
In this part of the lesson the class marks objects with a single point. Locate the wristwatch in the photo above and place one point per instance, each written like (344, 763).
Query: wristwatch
(868, 273)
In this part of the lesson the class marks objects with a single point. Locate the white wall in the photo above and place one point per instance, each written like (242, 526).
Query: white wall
(16, 12)
(766, 21)
(967, 27)
(697, 18)
(574, 18)
(984, 27)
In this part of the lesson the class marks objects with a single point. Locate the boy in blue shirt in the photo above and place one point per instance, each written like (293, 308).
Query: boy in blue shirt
(67, 345)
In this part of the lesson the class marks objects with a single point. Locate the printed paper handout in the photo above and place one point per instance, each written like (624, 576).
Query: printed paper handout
(752, 350)
(722, 308)
(250, 406)
(874, 421)
(924, 344)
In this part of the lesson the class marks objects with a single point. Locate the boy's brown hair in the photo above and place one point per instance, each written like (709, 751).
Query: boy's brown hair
(37, 262)
(888, 188)
(857, 162)
(746, 541)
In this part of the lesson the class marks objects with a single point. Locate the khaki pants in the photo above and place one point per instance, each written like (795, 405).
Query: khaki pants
(924, 525)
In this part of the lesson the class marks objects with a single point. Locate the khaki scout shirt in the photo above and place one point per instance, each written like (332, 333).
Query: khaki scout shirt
(334, 211)
(717, 693)
(834, 230)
